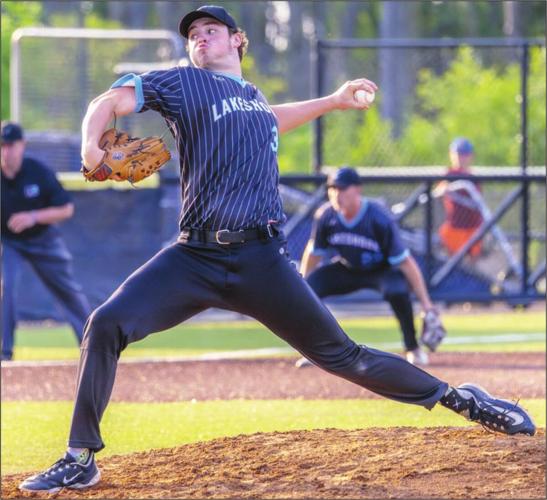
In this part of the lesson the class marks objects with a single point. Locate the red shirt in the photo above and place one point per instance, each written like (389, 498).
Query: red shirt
(461, 209)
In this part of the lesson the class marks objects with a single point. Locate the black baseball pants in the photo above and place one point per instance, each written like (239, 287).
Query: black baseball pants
(254, 278)
(338, 279)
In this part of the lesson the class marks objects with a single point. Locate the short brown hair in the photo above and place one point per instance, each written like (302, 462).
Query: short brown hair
(242, 49)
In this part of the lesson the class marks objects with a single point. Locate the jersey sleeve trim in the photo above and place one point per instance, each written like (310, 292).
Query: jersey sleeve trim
(132, 80)
(352, 223)
(396, 260)
(235, 78)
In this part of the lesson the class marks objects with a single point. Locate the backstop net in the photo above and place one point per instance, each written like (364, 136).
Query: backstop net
(56, 72)
(431, 91)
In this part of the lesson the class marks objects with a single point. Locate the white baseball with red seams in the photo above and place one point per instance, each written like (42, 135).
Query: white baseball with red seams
(362, 96)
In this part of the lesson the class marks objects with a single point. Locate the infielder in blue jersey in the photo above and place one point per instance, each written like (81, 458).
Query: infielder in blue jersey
(231, 253)
(368, 253)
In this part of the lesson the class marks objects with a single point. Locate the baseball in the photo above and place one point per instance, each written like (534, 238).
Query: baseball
(362, 96)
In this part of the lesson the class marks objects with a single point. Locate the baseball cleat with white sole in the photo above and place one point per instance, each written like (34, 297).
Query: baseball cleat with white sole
(497, 415)
(417, 357)
(65, 473)
(303, 363)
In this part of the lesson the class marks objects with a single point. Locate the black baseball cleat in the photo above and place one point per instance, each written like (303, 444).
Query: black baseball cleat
(493, 414)
(65, 473)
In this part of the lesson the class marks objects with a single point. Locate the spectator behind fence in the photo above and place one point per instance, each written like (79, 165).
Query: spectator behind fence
(462, 209)
(33, 200)
(369, 254)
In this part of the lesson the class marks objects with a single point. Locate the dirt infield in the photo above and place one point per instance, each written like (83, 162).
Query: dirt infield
(372, 463)
(252, 379)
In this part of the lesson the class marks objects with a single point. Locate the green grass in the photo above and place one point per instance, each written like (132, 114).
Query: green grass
(196, 338)
(34, 433)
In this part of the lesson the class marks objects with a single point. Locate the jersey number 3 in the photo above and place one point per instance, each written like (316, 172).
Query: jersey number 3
(275, 142)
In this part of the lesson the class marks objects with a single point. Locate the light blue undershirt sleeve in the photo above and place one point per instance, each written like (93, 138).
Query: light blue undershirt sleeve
(319, 252)
(395, 261)
(132, 80)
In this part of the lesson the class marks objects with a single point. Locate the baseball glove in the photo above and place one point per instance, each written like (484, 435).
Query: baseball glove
(128, 158)
(433, 331)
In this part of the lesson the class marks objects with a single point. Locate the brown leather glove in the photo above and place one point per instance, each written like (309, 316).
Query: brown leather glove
(128, 158)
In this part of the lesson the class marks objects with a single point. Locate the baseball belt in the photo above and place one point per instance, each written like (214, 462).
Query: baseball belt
(227, 237)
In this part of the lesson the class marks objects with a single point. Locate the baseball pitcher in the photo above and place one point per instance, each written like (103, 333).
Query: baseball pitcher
(231, 253)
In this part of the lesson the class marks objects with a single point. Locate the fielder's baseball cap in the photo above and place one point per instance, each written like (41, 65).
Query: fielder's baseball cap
(11, 132)
(343, 178)
(214, 11)
(462, 146)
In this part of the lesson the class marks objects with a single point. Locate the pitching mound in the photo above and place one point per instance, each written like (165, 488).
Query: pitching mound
(372, 463)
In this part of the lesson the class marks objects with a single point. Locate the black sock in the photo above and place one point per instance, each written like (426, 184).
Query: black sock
(454, 401)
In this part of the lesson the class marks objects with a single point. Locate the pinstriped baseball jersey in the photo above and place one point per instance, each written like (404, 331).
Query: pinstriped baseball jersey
(370, 241)
(227, 139)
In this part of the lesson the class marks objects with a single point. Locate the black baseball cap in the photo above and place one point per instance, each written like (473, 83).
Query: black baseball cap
(214, 11)
(343, 178)
(11, 132)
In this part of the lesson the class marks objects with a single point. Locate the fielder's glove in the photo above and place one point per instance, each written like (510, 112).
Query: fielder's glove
(433, 331)
(128, 158)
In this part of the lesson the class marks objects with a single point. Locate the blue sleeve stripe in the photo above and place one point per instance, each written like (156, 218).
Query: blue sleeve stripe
(120, 82)
(399, 258)
(319, 252)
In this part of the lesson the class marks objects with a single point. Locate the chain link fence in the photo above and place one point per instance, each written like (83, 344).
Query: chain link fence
(56, 72)
(430, 91)
(495, 272)
(429, 94)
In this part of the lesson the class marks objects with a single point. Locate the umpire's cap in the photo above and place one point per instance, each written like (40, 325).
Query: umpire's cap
(462, 146)
(11, 132)
(343, 178)
(214, 11)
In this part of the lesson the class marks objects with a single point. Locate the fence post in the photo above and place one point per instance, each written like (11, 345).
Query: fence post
(318, 125)
(314, 76)
(15, 77)
(428, 265)
(524, 70)
(525, 209)
(525, 233)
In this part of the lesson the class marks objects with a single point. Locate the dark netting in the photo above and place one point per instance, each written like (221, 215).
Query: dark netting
(60, 76)
(429, 95)
(490, 267)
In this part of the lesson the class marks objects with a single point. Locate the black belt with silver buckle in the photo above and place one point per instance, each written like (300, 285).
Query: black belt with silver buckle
(227, 237)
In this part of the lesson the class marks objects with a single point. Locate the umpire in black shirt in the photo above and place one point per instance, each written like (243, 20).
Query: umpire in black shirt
(33, 200)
